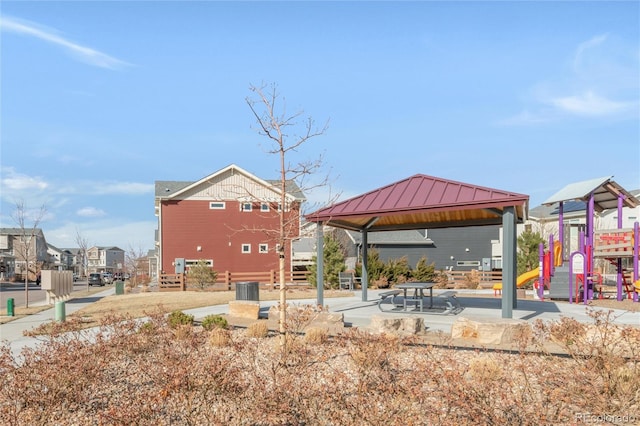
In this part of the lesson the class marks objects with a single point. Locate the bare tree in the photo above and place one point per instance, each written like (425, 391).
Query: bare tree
(274, 123)
(134, 259)
(83, 246)
(28, 237)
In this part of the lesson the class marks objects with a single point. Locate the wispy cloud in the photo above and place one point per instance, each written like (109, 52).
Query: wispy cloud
(90, 212)
(85, 54)
(130, 188)
(583, 49)
(601, 82)
(590, 104)
(526, 118)
(14, 181)
(104, 188)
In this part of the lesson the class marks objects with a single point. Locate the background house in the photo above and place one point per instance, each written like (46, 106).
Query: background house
(105, 259)
(60, 259)
(19, 248)
(231, 219)
(461, 249)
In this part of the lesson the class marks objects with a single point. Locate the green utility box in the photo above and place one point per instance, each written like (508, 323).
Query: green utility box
(60, 314)
(119, 287)
(10, 307)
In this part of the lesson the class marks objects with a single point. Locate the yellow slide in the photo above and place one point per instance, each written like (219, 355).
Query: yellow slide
(520, 281)
(524, 278)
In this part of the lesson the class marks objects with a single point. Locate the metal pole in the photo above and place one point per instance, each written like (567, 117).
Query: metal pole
(320, 263)
(620, 293)
(365, 265)
(509, 266)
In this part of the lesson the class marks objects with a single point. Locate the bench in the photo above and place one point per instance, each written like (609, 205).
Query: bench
(385, 294)
(450, 300)
(346, 280)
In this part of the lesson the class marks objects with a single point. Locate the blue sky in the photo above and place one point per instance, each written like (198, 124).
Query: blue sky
(101, 99)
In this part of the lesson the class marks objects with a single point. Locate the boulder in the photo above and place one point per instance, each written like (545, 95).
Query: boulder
(396, 325)
(244, 309)
(488, 331)
(301, 318)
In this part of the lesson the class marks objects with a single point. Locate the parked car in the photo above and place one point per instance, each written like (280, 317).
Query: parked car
(107, 277)
(95, 279)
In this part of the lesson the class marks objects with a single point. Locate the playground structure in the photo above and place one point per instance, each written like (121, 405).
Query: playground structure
(571, 274)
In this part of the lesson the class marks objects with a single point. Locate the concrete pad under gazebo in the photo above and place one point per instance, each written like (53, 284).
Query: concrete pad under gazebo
(424, 202)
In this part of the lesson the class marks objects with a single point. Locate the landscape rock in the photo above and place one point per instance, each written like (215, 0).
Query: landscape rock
(488, 331)
(244, 309)
(396, 325)
(302, 318)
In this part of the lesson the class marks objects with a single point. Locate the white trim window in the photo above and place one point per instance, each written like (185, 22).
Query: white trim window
(246, 248)
(263, 248)
(192, 262)
(264, 207)
(246, 207)
(217, 205)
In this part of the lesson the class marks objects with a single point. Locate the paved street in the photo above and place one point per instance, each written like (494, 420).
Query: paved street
(37, 296)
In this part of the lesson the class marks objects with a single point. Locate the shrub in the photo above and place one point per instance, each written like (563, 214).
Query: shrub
(258, 329)
(471, 279)
(442, 280)
(316, 335)
(214, 321)
(424, 271)
(201, 275)
(177, 318)
(375, 266)
(147, 327)
(333, 255)
(397, 270)
(220, 337)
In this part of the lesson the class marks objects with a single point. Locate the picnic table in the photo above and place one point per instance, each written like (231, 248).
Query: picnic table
(413, 293)
(418, 293)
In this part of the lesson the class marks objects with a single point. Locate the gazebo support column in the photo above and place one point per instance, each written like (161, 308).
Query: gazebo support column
(509, 262)
(320, 263)
(365, 265)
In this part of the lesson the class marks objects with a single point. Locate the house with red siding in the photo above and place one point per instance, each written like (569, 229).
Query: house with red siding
(230, 219)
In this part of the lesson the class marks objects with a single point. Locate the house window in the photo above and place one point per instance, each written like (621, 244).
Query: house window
(264, 207)
(192, 262)
(246, 207)
(217, 205)
(468, 263)
(246, 248)
(263, 248)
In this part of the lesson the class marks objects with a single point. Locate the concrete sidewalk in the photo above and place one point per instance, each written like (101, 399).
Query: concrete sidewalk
(13, 331)
(475, 303)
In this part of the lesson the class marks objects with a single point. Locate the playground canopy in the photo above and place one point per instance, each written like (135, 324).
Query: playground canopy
(423, 202)
(605, 192)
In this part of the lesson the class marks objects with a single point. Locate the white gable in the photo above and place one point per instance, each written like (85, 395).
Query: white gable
(231, 184)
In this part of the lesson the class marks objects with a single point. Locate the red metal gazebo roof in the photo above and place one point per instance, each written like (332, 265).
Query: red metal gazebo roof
(422, 201)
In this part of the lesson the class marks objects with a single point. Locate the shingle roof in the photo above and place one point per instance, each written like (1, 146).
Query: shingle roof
(164, 189)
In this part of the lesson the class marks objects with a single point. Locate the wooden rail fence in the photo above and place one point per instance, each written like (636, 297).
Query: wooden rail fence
(227, 280)
(484, 279)
(269, 280)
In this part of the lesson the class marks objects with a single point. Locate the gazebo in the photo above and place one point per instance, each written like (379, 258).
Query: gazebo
(424, 202)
